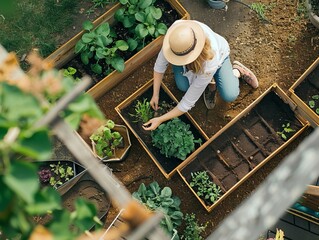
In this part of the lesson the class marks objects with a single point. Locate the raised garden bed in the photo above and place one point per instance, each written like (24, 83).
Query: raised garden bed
(167, 166)
(58, 173)
(305, 93)
(245, 144)
(65, 56)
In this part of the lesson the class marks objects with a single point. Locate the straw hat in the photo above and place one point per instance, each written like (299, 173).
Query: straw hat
(183, 42)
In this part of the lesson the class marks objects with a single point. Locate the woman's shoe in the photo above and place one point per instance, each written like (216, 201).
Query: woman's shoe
(246, 74)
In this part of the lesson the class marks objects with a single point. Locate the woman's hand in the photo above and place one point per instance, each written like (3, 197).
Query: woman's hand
(152, 124)
(154, 102)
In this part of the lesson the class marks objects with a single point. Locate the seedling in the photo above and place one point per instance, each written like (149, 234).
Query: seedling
(286, 129)
(204, 187)
(312, 103)
(61, 174)
(193, 228)
(70, 72)
(143, 111)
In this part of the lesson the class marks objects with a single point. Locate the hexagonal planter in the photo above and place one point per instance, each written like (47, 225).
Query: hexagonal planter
(167, 165)
(66, 52)
(303, 92)
(245, 144)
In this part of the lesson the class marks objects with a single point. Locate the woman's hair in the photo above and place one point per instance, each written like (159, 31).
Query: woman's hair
(206, 54)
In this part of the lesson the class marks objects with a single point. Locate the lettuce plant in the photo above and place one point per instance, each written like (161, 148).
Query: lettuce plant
(106, 139)
(157, 199)
(174, 139)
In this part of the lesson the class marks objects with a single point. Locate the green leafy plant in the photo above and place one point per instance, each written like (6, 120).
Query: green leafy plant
(260, 9)
(98, 48)
(204, 187)
(313, 103)
(157, 199)
(98, 4)
(61, 174)
(193, 229)
(143, 111)
(21, 143)
(286, 129)
(174, 139)
(141, 18)
(70, 72)
(106, 140)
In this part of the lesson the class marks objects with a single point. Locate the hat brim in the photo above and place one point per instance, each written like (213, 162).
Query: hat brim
(193, 55)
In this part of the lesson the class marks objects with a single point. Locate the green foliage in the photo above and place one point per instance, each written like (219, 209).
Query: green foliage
(143, 111)
(98, 48)
(142, 19)
(157, 199)
(174, 139)
(314, 103)
(286, 129)
(260, 9)
(106, 140)
(98, 4)
(62, 174)
(70, 72)
(204, 187)
(193, 229)
(21, 142)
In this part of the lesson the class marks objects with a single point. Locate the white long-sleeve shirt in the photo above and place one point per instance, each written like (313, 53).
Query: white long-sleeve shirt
(198, 82)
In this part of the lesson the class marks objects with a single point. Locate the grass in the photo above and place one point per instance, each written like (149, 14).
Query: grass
(36, 24)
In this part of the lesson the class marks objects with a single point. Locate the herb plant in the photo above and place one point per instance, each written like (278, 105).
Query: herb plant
(106, 140)
(157, 199)
(286, 129)
(62, 174)
(70, 72)
(143, 111)
(142, 19)
(193, 229)
(313, 103)
(204, 187)
(174, 139)
(97, 47)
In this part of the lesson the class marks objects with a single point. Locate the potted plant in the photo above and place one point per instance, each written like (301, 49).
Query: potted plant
(110, 142)
(66, 54)
(57, 173)
(313, 11)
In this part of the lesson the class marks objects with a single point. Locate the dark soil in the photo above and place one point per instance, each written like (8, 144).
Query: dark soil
(278, 52)
(168, 164)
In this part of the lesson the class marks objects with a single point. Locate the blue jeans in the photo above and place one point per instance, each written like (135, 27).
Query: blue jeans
(227, 83)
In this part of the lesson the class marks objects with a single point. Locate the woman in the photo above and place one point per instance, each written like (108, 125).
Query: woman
(199, 56)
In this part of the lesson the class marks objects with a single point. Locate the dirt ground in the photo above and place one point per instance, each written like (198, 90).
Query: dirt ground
(278, 52)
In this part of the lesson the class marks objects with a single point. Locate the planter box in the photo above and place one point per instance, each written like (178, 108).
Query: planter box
(86, 187)
(303, 89)
(66, 52)
(78, 170)
(245, 144)
(167, 166)
(121, 151)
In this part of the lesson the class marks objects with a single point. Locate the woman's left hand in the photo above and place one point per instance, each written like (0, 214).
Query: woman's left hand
(152, 124)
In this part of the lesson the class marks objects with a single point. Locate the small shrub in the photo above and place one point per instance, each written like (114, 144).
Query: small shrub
(204, 187)
(174, 139)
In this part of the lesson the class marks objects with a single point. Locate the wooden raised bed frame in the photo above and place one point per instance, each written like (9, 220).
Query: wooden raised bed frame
(66, 52)
(194, 162)
(129, 101)
(302, 107)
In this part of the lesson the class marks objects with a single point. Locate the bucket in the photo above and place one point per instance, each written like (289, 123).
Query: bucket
(217, 4)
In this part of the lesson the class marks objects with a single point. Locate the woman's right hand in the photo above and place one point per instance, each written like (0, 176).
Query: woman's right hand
(154, 102)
